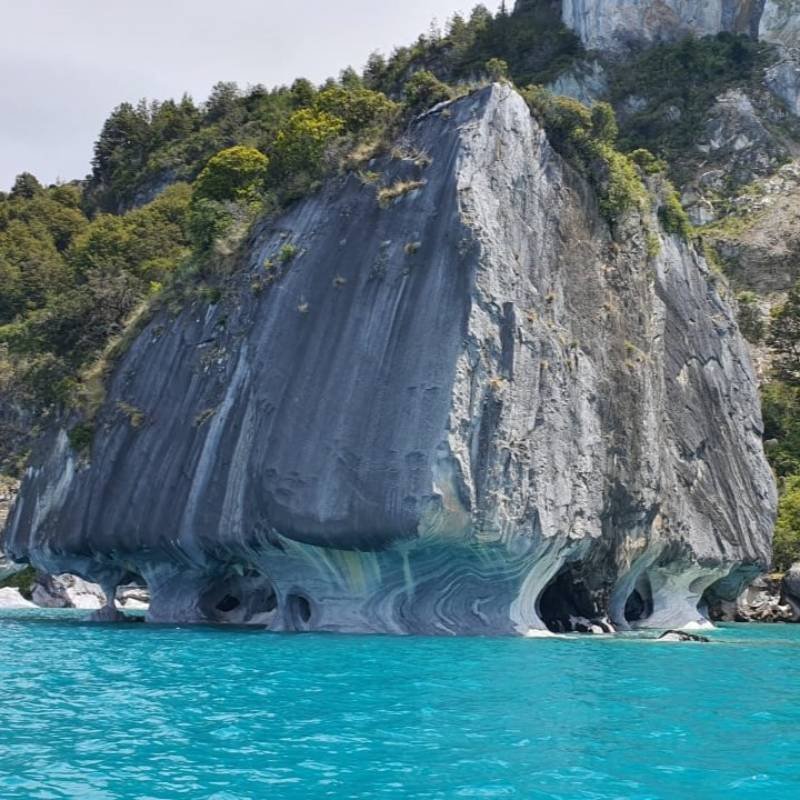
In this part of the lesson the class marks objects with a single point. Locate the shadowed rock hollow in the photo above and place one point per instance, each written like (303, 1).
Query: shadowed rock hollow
(468, 412)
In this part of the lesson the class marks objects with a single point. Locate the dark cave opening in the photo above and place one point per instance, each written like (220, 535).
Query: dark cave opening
(566, 601)
(239, 600)
(639, 605)
(299, 609)
(228, 603)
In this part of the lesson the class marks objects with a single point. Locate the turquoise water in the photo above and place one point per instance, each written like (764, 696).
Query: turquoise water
(159, 713)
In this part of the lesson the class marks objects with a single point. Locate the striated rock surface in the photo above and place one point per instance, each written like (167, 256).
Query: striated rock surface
(617, 25)
(473, 411)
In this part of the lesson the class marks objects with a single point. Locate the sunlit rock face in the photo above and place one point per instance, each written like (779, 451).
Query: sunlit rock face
(780, 23)
(616, 25)
(471, 411)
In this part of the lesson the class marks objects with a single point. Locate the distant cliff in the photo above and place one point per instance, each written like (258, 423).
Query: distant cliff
(616, 24)
(467, 409)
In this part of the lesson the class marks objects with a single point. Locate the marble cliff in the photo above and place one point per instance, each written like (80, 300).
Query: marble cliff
(473, 410)
(618, 24)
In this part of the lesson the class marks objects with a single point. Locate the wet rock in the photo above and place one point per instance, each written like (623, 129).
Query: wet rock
(681, 636)
(111, 614)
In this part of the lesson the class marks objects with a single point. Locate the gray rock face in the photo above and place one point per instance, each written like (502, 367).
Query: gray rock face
(586, 82)
(764, 600)
(8, 491)
(780, 23)
(616, 25)
(473, 411)
(783, 80)
(67, 591)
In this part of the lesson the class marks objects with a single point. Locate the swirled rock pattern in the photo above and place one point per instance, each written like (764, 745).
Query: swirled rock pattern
(471, 411)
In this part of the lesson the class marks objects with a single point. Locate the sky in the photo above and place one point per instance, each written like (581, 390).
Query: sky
(67, 63)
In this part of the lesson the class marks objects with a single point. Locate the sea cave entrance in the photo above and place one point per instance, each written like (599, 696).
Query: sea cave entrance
(639, 605)
(567, 603)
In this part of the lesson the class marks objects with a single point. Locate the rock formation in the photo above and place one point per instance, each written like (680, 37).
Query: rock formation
(12, 599)
(616, 25)
(472, 411)
(8, 491)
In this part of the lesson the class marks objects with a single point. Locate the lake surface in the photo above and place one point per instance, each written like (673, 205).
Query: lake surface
(159, 713)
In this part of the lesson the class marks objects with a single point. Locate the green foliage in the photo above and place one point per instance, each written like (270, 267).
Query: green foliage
(72, 284)
(209, 221)
(301, 144)
(647, 162)
(23, 581)
(497, 69)
(786, 544)
(358, 108)
(126, 155)
(81, 437)
(604, 123)
(586, 138)
(25, 187)
(680, 82)
(287, 253)
(673, 216)
(237, 173)
(784, 339)
(424, 90)
(781, 410)
(751, 321)
(532, 41)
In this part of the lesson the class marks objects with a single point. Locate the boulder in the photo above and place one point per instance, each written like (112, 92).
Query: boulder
(11, 598)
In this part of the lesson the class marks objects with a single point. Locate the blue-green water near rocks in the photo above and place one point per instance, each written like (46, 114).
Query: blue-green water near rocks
(163, 713)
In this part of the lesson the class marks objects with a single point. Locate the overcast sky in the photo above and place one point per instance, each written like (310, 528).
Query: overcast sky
(67, 63)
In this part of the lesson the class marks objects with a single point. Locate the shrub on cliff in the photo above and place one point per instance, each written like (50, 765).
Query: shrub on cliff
(302, 143)
(786, 544)
(237, 173)
(784, 338)
(358, 108)
(586, 138)
(424, 90)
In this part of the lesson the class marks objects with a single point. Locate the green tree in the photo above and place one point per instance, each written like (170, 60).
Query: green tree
(784, 338)
(25, 186)
(497, 69)
(358, 108)
(237, 173)
(302, 142)
(604, 123)
(425, 90)
(786, 544)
